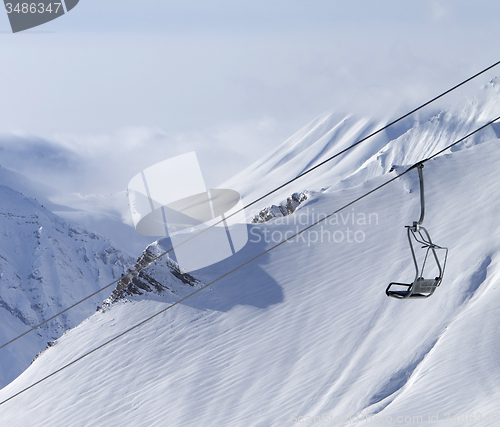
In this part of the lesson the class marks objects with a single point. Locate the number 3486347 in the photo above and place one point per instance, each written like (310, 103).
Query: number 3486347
(32, 7)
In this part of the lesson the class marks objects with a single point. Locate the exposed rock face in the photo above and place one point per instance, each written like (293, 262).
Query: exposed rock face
(286, 208)
(156, 275)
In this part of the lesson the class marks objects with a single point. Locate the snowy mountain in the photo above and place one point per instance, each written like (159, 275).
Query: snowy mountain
(46, 265)
(108, 215)
(305, 334)
(414, 138)
(20, 183)
(160, 276)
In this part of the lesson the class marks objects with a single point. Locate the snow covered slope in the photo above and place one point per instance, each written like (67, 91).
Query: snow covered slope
(306, 333)
(414, 138)
(46, 264)
(106, 214)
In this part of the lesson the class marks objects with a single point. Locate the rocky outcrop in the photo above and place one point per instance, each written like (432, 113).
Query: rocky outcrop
(288, 207)
(153, 272)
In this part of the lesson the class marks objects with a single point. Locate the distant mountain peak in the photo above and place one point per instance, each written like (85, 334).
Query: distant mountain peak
(46, 265)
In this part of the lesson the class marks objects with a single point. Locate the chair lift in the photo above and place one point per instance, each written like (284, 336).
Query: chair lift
(420, 288)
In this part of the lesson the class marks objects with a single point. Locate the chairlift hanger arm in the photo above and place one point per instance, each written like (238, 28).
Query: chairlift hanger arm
(420, 166)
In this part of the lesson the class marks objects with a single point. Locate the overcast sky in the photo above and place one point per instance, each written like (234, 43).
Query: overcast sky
(123, 84)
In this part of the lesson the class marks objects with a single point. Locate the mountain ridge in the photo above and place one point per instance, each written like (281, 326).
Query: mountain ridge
(46, 264)
(306, 329)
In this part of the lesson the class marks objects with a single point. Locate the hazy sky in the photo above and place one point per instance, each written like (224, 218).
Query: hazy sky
(123, 84)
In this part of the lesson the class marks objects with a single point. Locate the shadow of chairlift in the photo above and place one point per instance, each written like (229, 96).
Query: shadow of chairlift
(420, 287)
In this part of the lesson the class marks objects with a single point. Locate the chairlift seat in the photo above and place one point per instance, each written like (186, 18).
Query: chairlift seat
(420, 288)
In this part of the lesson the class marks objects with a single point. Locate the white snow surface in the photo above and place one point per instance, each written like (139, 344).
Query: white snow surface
(305, 334)
(416, 137)
(46, 265)
(106, 214)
